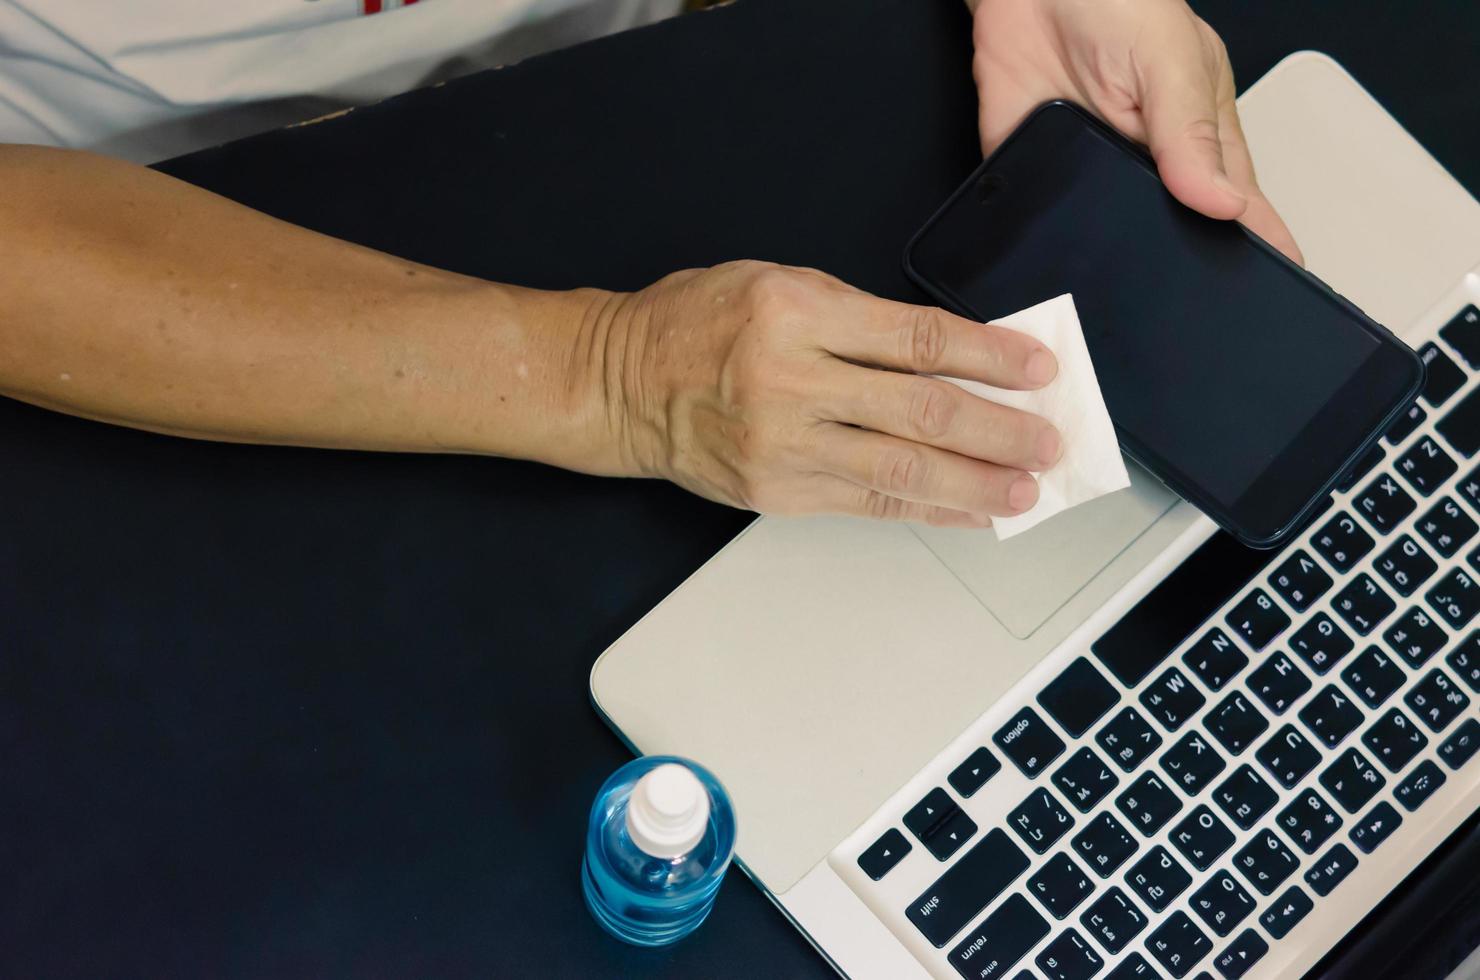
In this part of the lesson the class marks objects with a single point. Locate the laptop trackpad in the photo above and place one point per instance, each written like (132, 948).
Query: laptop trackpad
(1025, 580)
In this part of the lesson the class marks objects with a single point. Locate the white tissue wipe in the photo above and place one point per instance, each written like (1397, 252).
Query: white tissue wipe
(1091, 465)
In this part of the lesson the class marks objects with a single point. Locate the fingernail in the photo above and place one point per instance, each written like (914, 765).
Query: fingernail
(1041, 367)
(1022, 494)
(1221, 181)
(1050, 447)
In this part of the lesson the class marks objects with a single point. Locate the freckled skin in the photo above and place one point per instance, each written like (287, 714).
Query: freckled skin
(134, 298)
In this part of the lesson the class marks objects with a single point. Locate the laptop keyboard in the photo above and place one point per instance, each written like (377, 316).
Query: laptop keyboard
(1235, 746)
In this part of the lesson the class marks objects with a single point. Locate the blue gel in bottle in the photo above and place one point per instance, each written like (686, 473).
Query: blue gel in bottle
(661, 834)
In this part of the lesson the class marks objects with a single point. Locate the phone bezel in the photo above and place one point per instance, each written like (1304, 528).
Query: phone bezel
(1129, 444)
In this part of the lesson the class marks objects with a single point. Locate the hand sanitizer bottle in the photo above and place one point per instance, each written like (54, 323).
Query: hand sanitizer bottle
(661, 835)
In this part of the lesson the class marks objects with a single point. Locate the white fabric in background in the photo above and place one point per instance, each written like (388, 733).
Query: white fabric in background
(149, 79)
(1091, 465)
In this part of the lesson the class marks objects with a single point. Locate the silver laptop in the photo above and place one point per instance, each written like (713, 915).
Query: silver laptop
(1116, 746)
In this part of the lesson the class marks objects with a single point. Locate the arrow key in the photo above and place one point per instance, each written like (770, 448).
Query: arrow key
(973, 774)
(884, 854)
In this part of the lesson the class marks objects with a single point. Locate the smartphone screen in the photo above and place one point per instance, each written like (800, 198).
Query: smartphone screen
(1236, 377)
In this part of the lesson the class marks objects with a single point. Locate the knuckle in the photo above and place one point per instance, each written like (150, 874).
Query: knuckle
(882, 507)
(900, 472)
(1204, 129)
(772, 292)
(924, 339)
(931, 409)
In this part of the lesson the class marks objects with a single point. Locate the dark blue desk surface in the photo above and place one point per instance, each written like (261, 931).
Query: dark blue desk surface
(277, 713)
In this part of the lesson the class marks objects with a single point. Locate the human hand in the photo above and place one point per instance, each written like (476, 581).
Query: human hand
(1151, 68)
(787, 391)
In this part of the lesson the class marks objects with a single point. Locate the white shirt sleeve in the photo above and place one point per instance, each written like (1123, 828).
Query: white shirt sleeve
(82, 73)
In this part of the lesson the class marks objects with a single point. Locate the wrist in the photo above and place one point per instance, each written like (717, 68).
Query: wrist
(579, 387)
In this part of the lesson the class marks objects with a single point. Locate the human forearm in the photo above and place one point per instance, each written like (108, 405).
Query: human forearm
(131, 297)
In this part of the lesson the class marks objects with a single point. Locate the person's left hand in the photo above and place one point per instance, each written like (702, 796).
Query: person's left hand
(1151, 68)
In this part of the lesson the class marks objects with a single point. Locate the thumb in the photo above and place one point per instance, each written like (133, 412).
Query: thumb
(1179, 102)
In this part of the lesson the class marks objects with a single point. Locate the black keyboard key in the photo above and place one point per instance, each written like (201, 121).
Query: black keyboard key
(1201, 837)
(1331, 715)
(1241, 955)
(1461, 426)
(1419, 785)
(1178, 944)
(1456, 598)
(1460, 747)
(1405, 565)
(1469, 488)
(1060, 886)
(1331, 870)
(1437, 700)
(1158, 878)
(939, 824)
(967, 887)
(1257, 619)
(1215, 659)
(1363, 604)
(1171, 699)
(1192, 763)
(883, 854)
(1376, 827)
(1286, 912)
(1245, 796)
(1222, 903)
(1113, 920)
(1068, 957)
(1425, 466)
(1309, 821)
(1133, 967)
(1078, 697)
(1148, 804)
(1411, 419)
(1384, 504)
(1343, 543)
(1415, 636)
(1180, 603)
(1394, 740)
(1085, 779)
(926, 816)
(1464, 660)
(1352, 781)
(1040, 820)
(1320, 642)
(1104, 844)
(971, 775)
(1029, 742)
(1266, 862)
(1360, 468)
(1128, 739)
(1288, 755)
(1278, 683)
(1300, 580)
(1235, 722)
(1374, 676)
(1444, 376)
(1463, 334)
(1003, 938)
(1446, 527)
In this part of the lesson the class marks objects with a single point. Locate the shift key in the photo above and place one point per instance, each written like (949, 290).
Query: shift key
(1005, 935)
(967, 887)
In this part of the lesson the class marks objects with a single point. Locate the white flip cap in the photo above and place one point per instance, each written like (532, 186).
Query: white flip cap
(668, 811)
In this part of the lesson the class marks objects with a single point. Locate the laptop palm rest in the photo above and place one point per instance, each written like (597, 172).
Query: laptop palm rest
(1023, 581)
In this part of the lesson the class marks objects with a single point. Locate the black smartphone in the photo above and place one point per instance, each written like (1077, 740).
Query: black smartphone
(1236, 377)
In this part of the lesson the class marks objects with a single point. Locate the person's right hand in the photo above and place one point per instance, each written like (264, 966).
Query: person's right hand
(786, 391)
